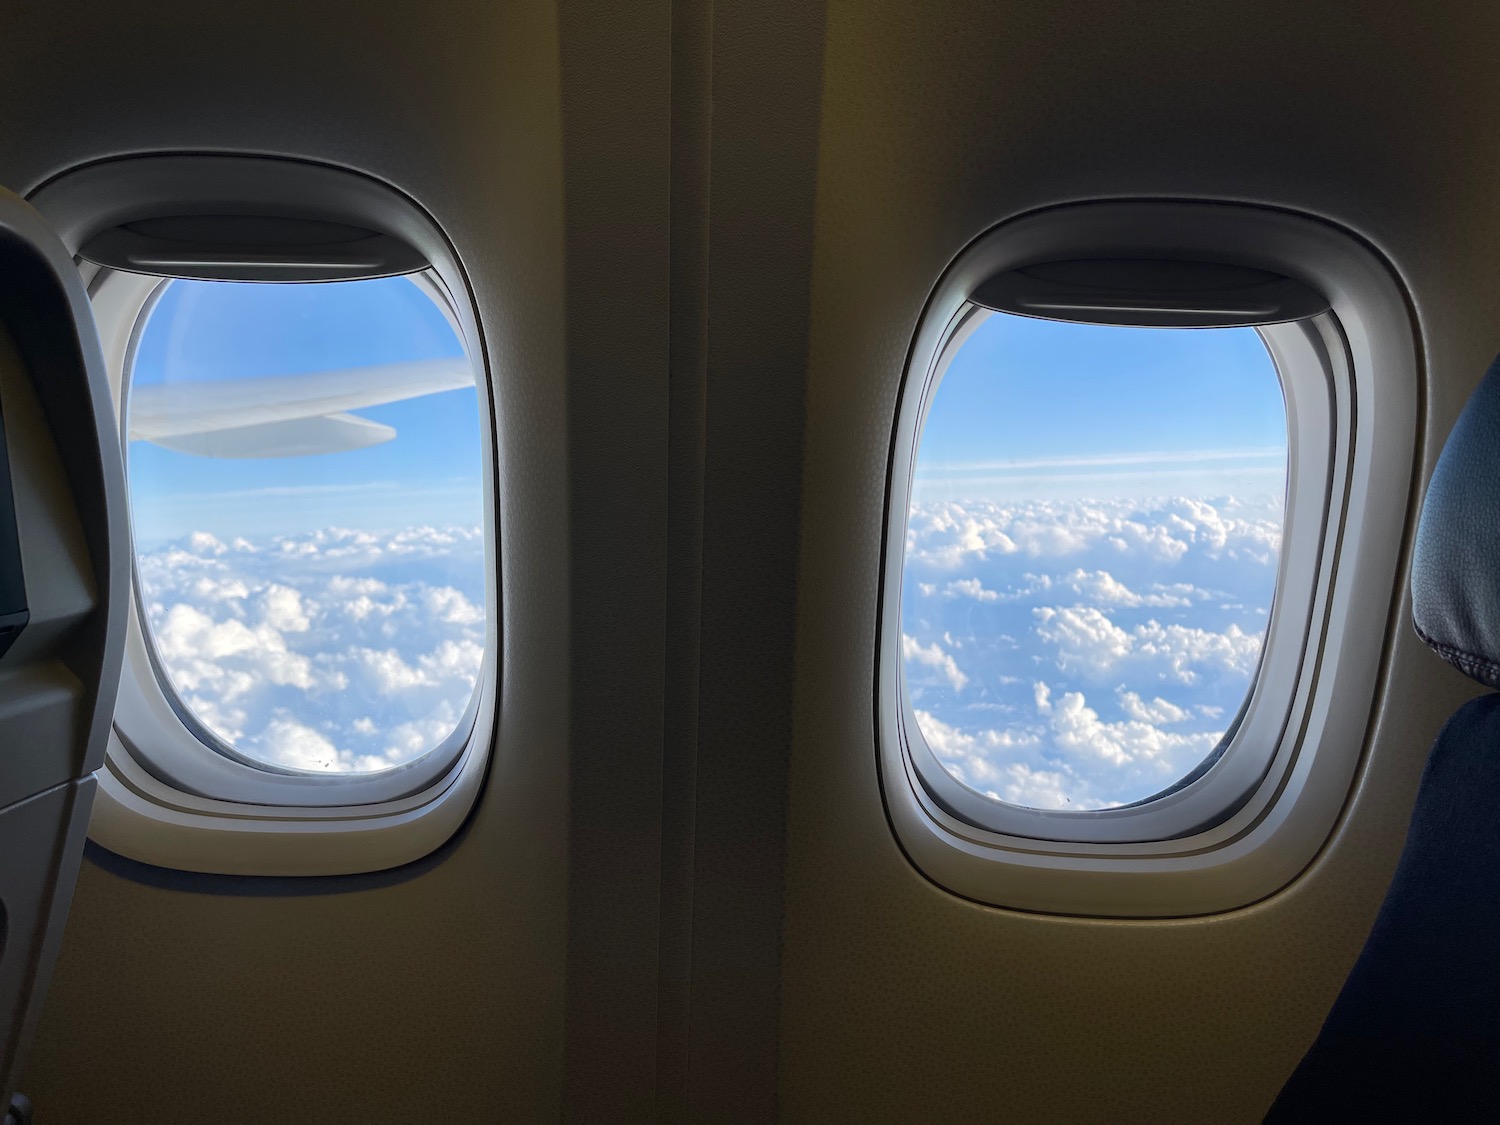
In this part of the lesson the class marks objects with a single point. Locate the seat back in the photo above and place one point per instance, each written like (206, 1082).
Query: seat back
(1415, 1033)
(63, 590)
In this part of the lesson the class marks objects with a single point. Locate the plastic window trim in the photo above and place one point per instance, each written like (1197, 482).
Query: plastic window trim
(1316, 391)
(1241, 832)
(168, 797)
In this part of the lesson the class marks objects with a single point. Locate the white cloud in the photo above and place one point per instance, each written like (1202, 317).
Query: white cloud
(946, 534)
(1040, 788)
(1157, 711)
(933, 657)
(453, 660)
(1077, 727)
(956, 533)
(1101, 586)
(1117, 636)
(417, 736)
(286, 742)
(205, 544)
(1089, 642)
(1097, 586)
(290, 743)
(209, 588)
(284, 610)
(389, 672)
(187, 633)
(969, 756)
(447, 604)
(1067, 756)
(1182, 648)
(1085, 638)
(970, 588)
(335, 650)
(1154, 541)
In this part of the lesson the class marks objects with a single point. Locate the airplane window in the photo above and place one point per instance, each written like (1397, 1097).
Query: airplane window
(307, 507)
(1091, 555)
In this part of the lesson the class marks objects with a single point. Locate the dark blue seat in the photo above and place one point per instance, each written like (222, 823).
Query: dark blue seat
(1415, 1033)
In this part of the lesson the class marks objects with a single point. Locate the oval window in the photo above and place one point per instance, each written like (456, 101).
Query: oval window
(307, 505)
(1091, 556)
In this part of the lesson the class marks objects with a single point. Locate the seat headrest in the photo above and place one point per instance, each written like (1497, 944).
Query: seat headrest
(1455, 580)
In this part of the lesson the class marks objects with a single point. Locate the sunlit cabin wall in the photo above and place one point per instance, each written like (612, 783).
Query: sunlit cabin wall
(436, 993)
(901, 1002)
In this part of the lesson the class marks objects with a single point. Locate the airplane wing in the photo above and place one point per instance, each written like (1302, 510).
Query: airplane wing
(285, 415)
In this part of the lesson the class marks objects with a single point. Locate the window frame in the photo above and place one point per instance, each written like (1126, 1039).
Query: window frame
(1246, 825)
(165, 797)
(157, 727)
(1225, 779)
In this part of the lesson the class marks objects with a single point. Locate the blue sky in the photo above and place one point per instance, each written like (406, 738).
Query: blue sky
(1036, 407)
(225, 330)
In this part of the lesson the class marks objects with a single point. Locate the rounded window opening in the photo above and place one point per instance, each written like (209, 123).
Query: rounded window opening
(305, 476)
(1091, 555)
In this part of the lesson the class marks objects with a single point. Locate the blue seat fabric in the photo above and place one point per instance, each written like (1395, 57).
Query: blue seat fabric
(1415, 1033)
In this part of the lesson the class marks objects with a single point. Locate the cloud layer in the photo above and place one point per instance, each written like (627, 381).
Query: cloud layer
(1059, 654)
(1081, 654)
(332, 651)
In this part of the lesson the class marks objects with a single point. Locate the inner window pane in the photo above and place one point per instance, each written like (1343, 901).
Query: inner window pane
(1091, 555)
(306, 500)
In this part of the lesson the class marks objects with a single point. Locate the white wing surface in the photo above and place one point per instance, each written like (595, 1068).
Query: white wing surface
(284, 415)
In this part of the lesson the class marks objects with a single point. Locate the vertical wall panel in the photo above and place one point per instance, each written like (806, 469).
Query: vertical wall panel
(434, 993)
(902, 1002)
(692, 71)
(616, 71)
(767, 72)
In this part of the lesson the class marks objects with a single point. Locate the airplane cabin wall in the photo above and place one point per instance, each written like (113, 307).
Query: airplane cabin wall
(434, 993)
(900, 1001)
(700, 237)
